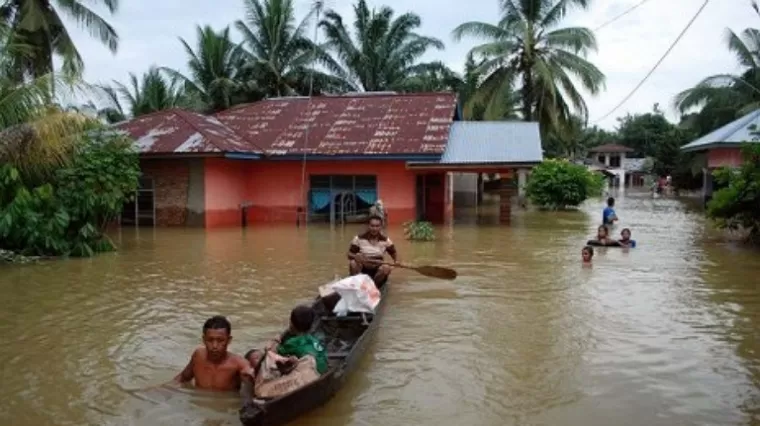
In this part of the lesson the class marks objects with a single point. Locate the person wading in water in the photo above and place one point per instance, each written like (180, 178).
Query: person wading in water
(367, 251)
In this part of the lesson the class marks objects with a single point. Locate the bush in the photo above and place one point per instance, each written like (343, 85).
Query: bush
(737, 204)
(68, 214)
(419, 231)
(558, 184)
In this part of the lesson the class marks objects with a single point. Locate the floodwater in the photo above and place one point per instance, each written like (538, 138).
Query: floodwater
(664, 334)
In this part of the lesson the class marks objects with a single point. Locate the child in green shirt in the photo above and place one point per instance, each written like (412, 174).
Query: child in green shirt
(299, 342)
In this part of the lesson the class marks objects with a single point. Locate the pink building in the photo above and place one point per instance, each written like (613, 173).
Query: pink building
(722, 147)
(326, 159)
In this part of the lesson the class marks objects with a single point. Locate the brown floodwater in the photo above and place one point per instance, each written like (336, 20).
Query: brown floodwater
(664, 334)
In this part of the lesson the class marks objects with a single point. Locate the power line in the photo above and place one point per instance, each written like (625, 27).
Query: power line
(631, 9)
(656, 65)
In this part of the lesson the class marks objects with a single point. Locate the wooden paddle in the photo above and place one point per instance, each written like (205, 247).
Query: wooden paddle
(429, 270)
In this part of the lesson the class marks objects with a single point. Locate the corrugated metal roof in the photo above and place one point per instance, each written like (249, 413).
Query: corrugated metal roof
(182, 132)
(611, 147)
(732, 133)
(634, 164)
(490, 142)
(339, 125)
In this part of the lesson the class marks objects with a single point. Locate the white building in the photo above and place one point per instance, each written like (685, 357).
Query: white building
(612, 157)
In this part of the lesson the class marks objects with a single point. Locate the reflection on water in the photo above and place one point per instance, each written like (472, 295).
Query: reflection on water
(662, 334)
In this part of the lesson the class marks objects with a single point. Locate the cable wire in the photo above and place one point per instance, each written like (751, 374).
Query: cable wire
(631, 9)
(656, 65)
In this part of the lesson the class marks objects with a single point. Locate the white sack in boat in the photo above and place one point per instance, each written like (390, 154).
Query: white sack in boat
(358, 293)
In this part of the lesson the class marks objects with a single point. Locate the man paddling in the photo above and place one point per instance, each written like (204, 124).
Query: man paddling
(366, 252)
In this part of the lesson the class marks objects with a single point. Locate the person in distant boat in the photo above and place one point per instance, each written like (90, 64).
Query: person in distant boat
(609, 217)
(587, 254)
(366, 252)
(378, 210)
(211, 367)
(625, 238)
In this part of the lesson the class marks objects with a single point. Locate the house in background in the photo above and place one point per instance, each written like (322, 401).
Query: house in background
(635, 171)
(722, 147)
(611, 158)
(297, 159)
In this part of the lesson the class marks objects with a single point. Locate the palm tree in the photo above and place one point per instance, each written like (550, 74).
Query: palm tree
(281, 57)
(217, 79)
(38, 23)
(527, 47)
(153, 92)
(725, 97)
(384, 53)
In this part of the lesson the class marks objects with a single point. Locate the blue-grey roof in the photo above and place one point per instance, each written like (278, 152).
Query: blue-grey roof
(493, 142)
(731, 134)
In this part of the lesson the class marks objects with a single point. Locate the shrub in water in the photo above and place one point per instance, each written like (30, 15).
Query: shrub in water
(419, 231)
(737, 204)
(558, 184)
(67, 214)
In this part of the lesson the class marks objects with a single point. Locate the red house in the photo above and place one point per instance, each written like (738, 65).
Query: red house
(722, 147)
(294, 159)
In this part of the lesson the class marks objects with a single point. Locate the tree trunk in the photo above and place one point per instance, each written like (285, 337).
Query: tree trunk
(527, 92)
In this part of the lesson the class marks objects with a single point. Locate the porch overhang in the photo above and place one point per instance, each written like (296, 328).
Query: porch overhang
(470, 167)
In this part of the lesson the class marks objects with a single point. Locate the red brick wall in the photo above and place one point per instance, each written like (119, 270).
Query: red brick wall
(171, 180)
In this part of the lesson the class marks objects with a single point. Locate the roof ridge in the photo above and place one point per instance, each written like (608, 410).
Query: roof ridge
(212, 137)
(181, 114)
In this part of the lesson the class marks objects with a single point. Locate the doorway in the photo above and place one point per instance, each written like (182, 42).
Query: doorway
(141, 211)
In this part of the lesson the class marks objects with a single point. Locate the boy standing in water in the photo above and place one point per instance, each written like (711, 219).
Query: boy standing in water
(587, 253)
(211, 366)
(609, 217)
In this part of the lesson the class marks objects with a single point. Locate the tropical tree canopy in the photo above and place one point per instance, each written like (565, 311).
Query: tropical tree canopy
(279, 54)
(723, 98)
(216, 71)
(384, 53)
(528, 48)
(150, 93)
(38, 23)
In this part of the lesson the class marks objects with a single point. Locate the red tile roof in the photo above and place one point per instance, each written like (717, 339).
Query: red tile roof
(611, 147)
(181, 132)
(369, 123)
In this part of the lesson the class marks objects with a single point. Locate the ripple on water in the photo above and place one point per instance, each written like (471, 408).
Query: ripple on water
(662, 334)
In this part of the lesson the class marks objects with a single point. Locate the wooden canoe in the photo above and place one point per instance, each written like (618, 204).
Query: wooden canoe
(346, 338)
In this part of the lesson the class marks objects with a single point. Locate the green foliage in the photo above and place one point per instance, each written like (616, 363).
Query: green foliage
(419, 231)
(652, 135)
(67, 215)
(558, 184)
(737, 204)
(528, 47)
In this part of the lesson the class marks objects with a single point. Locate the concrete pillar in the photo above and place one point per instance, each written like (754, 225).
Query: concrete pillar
(522, 180)
(506, 192)
(448, 198)
(607, 160)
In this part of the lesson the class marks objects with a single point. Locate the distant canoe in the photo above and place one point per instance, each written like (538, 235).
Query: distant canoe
(596, 243)
(346, 339)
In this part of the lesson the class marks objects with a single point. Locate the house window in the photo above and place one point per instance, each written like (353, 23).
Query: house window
(341, 197)
(615, 161)
(600, 159)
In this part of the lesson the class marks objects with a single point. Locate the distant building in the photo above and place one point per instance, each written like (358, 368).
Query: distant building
(328, 158)
(721, 147)
(611, 158)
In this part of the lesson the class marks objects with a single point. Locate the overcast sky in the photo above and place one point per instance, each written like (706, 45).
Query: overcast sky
(149, 31)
